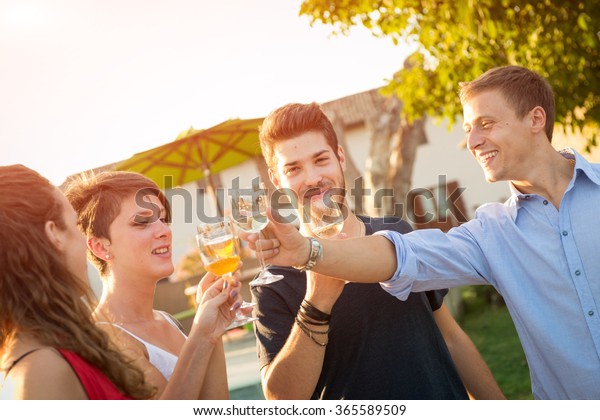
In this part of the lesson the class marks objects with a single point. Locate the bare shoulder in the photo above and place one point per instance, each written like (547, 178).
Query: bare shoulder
(43, 375)
(125, 342)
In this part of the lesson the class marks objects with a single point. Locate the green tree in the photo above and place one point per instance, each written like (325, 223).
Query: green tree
(458, 41)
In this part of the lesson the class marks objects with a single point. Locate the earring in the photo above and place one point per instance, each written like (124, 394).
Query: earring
(107, 256)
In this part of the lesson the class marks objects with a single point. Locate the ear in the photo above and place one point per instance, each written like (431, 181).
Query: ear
(98, 247)
(342, 157)
(55, 235)
(538, 119)
(274, 179)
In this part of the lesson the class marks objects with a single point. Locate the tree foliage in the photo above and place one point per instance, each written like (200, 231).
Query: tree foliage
(458, 41)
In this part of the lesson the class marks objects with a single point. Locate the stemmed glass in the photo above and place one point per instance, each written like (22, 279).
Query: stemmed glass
(220, 254)
(326, 217)
(249, 212)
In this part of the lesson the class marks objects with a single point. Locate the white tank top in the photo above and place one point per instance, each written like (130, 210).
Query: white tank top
(163, 360)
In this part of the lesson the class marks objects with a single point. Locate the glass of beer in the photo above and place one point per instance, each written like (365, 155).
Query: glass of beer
(219, 250)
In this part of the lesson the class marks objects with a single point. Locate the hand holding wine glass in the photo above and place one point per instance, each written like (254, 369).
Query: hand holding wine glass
(219, 251)
(249, 208)
(326, 219)
(215, 301)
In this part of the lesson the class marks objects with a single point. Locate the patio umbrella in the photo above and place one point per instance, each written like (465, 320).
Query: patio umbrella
(197, 154)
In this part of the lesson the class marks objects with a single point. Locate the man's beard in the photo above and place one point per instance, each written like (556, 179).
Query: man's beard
(328, 205)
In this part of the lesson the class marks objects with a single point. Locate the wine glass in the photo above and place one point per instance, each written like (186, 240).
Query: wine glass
(219, 251)
(326, 216)
(249, 212)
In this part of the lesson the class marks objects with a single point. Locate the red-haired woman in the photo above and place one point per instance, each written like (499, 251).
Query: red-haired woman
(50, 347)
(125, 218)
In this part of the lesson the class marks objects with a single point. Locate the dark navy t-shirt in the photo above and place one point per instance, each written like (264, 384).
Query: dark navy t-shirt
(379, 347)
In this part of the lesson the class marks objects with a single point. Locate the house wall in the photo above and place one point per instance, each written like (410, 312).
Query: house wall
(441, 156)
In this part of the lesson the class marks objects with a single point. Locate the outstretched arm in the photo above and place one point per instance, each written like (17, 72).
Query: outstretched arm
(368, 259)
(473, 370)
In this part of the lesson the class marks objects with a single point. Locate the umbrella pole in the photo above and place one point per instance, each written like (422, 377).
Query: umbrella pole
(212, 192)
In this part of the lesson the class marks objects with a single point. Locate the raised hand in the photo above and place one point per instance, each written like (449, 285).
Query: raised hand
(218, 301)
(283, 244)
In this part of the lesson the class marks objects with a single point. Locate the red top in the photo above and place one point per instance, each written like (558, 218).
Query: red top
(96, 384)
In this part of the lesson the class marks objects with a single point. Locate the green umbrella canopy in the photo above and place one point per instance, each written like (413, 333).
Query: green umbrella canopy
(197, 153)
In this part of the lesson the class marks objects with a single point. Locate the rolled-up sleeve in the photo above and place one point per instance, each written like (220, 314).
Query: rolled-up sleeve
(430, 259)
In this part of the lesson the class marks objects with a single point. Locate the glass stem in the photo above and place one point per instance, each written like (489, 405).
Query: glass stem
(261, 260)
(227, 277)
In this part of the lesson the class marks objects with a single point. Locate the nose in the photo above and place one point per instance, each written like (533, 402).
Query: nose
(312, 176)
(162, 229)
(474, 139)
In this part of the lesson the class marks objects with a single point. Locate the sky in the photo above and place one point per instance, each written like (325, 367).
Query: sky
(84, 83)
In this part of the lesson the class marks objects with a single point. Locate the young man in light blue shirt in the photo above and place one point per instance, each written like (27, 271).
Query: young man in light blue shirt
(540, 249)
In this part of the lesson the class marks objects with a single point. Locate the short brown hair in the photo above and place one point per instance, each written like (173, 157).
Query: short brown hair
(97, 200)
(522, 88)
(293, 120)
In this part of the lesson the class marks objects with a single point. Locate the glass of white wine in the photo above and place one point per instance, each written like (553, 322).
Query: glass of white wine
(249, 212)
(326, 217)
(220, 254)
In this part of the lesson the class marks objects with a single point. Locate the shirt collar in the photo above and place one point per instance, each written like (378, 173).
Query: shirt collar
(581, 166)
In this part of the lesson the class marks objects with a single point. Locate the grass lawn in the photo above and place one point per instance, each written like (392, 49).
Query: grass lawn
(493, 332)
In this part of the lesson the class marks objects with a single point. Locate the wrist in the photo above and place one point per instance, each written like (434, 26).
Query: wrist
(325, 307)
(315, 253)
(321, 301)
(203, 337)
(313, 322)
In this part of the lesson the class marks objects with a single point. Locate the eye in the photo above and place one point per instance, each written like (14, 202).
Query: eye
(486, 124)
(323, 159)
(290, 171)
(141, 220)
(467, 129)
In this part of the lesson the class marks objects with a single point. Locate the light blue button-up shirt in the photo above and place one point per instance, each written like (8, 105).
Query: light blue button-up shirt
(546, 265)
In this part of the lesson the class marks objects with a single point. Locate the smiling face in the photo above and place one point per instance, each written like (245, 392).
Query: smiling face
(140, 243)
(498, 140)
(308, 166)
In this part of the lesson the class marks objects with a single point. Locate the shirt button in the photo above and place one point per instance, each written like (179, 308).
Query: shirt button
(591, 313)
(565, 233)
(577, 272)
(545, 202)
